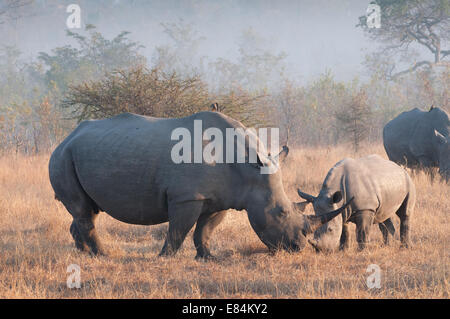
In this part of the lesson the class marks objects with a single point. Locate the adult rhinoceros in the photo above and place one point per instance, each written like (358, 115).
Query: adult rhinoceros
(419, 139)
(123, 166)
(380, 189)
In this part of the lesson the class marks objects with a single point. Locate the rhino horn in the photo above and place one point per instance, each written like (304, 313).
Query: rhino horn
(306, 196)
(314, 243)
(317, 221)
(283, 154)
(441, 138)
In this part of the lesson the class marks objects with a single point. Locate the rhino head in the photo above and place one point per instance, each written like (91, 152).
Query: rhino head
(287, 228)
(278, 222)
(326, 237)
(444, 154)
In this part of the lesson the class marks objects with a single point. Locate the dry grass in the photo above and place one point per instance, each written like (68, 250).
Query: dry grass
(36, 248)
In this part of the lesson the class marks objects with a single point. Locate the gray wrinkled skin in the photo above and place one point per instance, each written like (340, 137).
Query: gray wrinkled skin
(380, 189)
(420, 139)
(123, 166)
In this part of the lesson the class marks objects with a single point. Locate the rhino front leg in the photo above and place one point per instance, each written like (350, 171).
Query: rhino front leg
(182, 217)
(344, 241)
(427, 166)
(363, 220)
(203, 231)
(388, 230)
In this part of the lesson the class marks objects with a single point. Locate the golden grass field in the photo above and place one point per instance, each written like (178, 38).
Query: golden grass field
(36, 247)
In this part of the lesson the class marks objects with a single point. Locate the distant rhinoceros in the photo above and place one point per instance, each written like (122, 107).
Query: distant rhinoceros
(380, 189)
(123, 166)
(419, 139)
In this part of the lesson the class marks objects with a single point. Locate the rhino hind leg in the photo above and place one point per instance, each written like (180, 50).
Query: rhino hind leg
(203, 231)
(82, 208)
(182, 217)
(404, 213)
(388, 230)
(83, 230)
(79, 242)
(88, 233)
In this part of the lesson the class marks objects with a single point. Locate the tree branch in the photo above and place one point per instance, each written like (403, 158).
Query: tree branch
(415, 67)
(10, 5)
(445, 53)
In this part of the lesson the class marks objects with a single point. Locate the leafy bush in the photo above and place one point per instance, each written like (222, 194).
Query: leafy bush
(155, 93)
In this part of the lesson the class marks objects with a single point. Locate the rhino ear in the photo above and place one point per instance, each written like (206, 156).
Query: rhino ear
(441, 138)
(337, 197)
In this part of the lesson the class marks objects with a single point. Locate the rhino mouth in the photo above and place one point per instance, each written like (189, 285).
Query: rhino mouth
(319, 247)
(295, 245)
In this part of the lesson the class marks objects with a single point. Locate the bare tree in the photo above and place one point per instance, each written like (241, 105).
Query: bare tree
(405, 23)
(355, 119)
(9, 8)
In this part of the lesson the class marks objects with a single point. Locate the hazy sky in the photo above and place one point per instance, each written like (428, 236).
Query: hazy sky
(315, 35)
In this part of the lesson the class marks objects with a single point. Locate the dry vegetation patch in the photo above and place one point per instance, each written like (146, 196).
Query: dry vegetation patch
(36, 247)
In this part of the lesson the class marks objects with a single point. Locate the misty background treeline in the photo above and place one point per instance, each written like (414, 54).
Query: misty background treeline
(94, 76)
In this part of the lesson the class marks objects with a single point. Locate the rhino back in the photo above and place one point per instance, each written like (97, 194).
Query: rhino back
(124, 165)
(397, 135)
(422, 141)
(411, 135)
(375, 183)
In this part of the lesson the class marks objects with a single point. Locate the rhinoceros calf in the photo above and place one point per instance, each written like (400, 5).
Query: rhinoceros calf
(419, 139)
(123, 166)
(380, 189)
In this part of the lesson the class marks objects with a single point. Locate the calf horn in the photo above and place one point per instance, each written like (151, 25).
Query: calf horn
(309, 198)
(314, 243)
(282, 155)
(316, 221)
